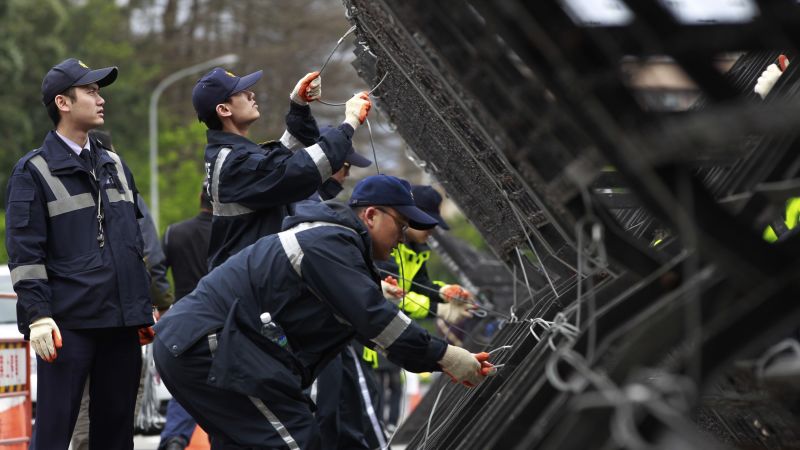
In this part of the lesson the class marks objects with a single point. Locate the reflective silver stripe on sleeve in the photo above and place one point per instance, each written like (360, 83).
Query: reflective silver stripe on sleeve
(290, 142)
(276, 423)
(292, 247)
(392, 331)
(127, 194)
(224, 209)
(367, 400)
(28, 272)
(64, 202)
(320, 160)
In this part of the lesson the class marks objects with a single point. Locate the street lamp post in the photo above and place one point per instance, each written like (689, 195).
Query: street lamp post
(166, 82)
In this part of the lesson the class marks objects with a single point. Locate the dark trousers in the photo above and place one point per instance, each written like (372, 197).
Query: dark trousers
(234, 421)
(390, 379)
(328, 385)
(113, 358)
(346, 404)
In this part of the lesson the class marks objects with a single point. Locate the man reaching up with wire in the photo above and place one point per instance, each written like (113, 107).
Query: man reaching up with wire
(252, 187)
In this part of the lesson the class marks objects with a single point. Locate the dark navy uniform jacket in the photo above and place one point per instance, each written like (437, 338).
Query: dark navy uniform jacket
(317, 280)
(57, 266)
(252, 187)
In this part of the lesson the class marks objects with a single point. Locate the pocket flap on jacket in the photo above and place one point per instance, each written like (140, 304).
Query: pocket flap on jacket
(22, 195)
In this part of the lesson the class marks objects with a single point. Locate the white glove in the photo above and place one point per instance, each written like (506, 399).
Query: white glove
(356, 109)
(391, 292)
(767, 80)
(453, 312)
(450, 292)
(308, 89)
(45, 338)
(462, 366)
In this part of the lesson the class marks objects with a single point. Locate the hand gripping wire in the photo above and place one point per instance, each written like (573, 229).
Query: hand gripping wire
(439, 395)
(480, 310)
(369, 126)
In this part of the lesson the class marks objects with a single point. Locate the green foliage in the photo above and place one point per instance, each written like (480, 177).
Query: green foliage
(182, 171)
(29, 43)
(462, 229)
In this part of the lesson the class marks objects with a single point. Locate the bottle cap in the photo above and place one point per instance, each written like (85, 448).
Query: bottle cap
(266, 317)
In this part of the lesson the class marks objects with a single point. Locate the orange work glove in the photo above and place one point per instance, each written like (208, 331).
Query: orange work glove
(770, 76)
(487, 368)
(356, 109)
(146, 335)
(308, 89)
(450, 292)
(391, 291)
(45, 338)
(462, 366)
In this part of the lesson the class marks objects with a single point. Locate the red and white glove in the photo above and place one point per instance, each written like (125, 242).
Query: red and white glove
(45, 338)
(308, 89)
(770, 76)
(450, 292)
(147, 334)
(391, 291)
(356, 109)
(464, 367)
(454, 312)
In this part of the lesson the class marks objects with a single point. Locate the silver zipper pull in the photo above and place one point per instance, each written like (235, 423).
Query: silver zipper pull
(101, 239)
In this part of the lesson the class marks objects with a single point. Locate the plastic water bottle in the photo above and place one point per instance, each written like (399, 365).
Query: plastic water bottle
(272, 331)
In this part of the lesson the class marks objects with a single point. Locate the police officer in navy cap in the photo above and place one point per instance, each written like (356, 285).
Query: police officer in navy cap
(252, 187)
(75, 254)
(239, 350)
(408, 268)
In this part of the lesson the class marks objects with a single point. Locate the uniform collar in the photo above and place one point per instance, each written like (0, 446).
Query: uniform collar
(219, 137)
(60, 157)
(74, 146)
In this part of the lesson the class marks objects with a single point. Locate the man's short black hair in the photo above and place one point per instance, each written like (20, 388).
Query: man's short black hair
(52, 109)
(213, 123)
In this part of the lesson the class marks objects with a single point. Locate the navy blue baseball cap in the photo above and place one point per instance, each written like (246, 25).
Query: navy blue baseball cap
(429, 201)
(386, 190)
(72, 72)
(217, 86)
(353, 157)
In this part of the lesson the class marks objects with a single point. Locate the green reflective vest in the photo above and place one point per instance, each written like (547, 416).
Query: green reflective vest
(409, 263)
(792, 214)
